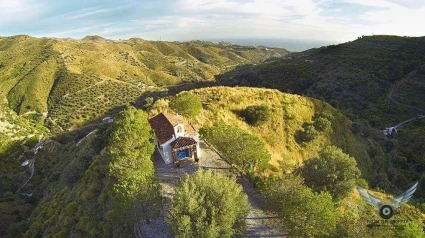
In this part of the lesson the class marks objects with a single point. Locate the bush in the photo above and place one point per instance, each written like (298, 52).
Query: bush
(332, 171)
(72, 208)
(186, 104)
(240, 148)
(207, 204)
(256, 115)
(309, 133)
(305, 213)
(323, 125)
(409, 230)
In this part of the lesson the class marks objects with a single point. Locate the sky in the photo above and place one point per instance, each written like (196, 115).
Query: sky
(181, 20)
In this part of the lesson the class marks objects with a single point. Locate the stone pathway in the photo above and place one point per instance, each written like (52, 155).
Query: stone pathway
(259, 224)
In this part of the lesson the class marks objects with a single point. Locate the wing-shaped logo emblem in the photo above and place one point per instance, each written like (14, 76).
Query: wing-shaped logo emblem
(386, 210)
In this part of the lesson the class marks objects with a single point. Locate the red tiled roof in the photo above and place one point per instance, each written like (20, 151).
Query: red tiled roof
(173, 118)
(183, 142)
(163, 125)
(164, 130)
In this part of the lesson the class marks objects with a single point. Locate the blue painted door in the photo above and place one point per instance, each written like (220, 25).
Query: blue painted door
(183, 154)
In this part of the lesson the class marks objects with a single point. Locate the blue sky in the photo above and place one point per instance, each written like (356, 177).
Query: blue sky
(309, 20)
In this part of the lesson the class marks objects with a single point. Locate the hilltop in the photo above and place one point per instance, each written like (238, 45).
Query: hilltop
(75, 81)
(283, 132)
(376, 81)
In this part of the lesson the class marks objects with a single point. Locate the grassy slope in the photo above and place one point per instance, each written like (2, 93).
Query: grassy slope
(77, 81)
(289, 112)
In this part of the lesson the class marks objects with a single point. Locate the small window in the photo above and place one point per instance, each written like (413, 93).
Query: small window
(179, 129)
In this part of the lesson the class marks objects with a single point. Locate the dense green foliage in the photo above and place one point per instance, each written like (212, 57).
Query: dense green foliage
(410, 230)
(256, 115)
(305, 213)
(331, 171)
(99, 188)
(208, 204)
(409, 159)
(130, 168)
(5, 143)
(186, 104)
(240, 148)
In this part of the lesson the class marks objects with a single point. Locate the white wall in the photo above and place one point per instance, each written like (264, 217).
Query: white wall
(181, 133)
(166, 154)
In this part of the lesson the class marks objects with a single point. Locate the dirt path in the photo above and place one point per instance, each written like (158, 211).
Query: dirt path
(393, 100)
(259, 223)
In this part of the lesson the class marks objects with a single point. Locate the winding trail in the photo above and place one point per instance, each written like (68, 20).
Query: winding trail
(391, 99)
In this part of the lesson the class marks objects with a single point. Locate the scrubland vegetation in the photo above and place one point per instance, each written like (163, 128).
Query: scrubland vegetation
(309, 178)
(79, 81)
(303, 154)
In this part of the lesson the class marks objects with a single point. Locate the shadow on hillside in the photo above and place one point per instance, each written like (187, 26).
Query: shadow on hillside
(27, 171)
(173, 90)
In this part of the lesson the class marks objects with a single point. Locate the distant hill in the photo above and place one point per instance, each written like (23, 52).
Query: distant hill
(75, 81)
(355, 77)
(95, 39)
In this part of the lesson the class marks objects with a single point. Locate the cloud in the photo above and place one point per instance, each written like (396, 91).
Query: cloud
(20, 11)
(89, 13)
(328, 20)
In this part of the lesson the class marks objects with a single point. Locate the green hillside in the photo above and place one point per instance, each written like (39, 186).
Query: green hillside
(284, 132)
(284, 136)
(75, 81)
(376, 81)
(72, 190)
(356, 76)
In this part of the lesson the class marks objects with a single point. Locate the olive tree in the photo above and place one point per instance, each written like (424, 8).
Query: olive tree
(207, 204)
(332, 171)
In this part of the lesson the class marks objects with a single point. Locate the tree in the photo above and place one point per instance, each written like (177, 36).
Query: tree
(186, 104)
(332, 171)
(131, 170)
(207, 204)
(240, 148)
(322, 124)
(305, 213)
(256, 115)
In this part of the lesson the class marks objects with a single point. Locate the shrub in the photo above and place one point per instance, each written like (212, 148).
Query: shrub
(186, 104)
(332, 171)
(409, 230)
(305, 213)
(242, 149)
(207, 204)
(256, 115)
(322, 124)
(309, 133)
(72, 208)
